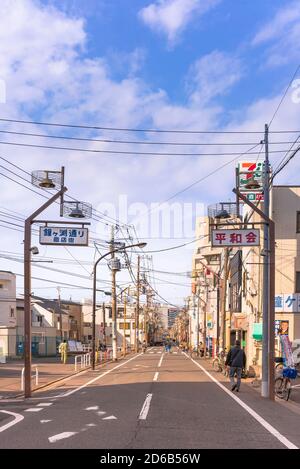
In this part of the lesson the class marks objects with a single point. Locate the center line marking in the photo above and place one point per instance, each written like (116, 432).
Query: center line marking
(161, 359)
(250, 411)
(155, 376)
(146, 407)
(61, 436)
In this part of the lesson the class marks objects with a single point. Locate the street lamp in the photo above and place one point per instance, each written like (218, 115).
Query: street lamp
(114, 318)
(41, 179)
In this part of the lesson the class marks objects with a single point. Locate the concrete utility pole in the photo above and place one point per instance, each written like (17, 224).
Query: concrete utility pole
(266, 210)
(137, 312)
(197, 322)
(223, 302)
(124, 329)
(271, 295)
(104, 322)
(113, 299)
(60, 313)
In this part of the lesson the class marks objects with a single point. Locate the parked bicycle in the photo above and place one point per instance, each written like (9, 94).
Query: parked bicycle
(219, 363)
(283, 384)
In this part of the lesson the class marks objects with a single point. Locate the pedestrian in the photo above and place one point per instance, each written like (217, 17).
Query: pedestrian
(236, 360)
(63, 350)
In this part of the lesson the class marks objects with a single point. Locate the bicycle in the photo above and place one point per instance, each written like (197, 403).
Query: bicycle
(283, 385)
(219, 364)
(196, 353)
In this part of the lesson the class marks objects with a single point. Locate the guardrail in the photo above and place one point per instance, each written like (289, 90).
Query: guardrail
(32, 377)
(85, 360)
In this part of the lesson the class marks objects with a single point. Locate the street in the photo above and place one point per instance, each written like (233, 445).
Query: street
(151, 400)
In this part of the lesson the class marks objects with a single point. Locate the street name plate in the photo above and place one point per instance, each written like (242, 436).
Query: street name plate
(64, 236)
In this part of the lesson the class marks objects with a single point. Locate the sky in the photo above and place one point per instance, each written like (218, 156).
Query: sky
(180, 65)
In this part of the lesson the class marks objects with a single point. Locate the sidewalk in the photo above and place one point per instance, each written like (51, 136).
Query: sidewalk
(49, 369)
(253, 383)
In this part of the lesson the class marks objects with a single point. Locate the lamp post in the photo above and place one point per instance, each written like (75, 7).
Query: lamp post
(27, 283)
(120, 249)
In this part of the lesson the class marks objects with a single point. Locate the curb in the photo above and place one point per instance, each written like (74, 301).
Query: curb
(61, 379)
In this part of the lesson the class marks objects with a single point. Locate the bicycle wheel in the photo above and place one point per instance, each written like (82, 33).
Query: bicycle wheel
(216, 365)
(287, 389)
(279, 387)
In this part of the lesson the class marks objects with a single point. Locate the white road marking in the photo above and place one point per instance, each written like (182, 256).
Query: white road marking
(44, 404)
(158, 352)
(69, 393)
(146, 407)
(111, 417)
(34, 409)
(151, 352)
(45, 421)
(61, 436)
(155, 376)
(160, 361)
(101, 412)
(17, 419)
(91, 425)
(95, 407)
(250, 411)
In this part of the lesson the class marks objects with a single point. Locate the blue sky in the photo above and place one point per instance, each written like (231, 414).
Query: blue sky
(114, 28)
(164, 64)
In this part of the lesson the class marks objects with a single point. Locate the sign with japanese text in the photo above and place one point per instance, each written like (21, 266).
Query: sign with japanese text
(63, 236)
(236, 237)
(287, 303)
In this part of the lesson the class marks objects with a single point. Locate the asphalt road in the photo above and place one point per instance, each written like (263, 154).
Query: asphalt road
(153, 400)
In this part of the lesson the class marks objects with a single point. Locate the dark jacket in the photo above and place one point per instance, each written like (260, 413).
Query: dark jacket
(236, 357)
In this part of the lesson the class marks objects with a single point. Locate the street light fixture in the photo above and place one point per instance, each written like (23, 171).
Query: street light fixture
(114, 319)
(222, 214)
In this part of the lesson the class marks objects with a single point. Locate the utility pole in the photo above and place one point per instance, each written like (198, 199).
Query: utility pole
(104, 323)
(197, 321)
(223, 304)
(60, 314)
(113, 297)
(271, 294)
(137, 312)
(266, 210)
(124, 329)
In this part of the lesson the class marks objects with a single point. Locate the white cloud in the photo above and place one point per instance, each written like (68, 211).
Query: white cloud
(172, 16)
(48, 76)
(283, 35)
(213, 75)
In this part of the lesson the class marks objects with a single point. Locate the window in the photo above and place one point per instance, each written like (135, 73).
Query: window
(298, 222)
(297, 282)
(1, 285)
(12, 312)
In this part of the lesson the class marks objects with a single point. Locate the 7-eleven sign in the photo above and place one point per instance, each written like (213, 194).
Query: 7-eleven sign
(249, 170)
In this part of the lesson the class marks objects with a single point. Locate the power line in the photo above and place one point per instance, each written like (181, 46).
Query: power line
(98, 218)
(178, 246)
(134, 142)
(128, 153)
(284, 95)
(120, 129)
